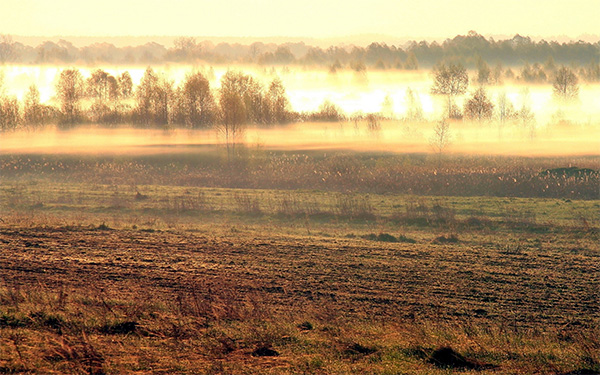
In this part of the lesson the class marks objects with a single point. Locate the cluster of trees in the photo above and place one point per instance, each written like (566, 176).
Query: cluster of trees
(156, 101)
(469, 50)
(240, 100)
(452, 81)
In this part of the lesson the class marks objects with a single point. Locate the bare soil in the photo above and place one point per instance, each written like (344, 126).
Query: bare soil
(543, 284)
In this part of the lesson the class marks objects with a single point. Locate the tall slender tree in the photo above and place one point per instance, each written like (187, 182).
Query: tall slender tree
(70, 91)
(451, 81)
(32, 111)
(234, 114)
(278, 102)
(154, 97)
(197, 101)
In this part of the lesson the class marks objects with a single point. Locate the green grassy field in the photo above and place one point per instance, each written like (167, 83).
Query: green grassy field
(183, 207)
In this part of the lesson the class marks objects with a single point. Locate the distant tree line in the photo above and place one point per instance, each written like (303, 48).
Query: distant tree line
(469, 50)
(156, 102)
(240, 100)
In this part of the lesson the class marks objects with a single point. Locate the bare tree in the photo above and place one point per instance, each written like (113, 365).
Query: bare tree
(328, 112)
(451, 80)
(565, 85)
(441, 137)
(102, 87)
(233, 109)
(9, 109)
(505, 109)
(163, 104)
(70, 91)
(479, 107)
(279, 104)
(32, 112)
(125, 85)
(525, 114)
(373, 123)
(146, 96)
(251, 93)
(9, 112)
(153, 96)
(387, 107)
(414, 109)
(254, 99)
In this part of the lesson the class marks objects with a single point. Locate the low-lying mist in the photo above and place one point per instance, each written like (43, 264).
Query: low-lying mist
(551, 128)
(392, 136)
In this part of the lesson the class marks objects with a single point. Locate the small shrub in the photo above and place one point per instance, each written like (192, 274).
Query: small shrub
(356, 349)
(140, 197)
(446, 357)
(121, 328)
(403, 238)
(382, 237)
(264, 351)
(386, 237)
(55, 322)
(478, 222)
(12, 321)
(305, 326)
(451, 238)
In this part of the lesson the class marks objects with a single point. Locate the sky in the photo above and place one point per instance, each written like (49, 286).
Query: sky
(300, 18)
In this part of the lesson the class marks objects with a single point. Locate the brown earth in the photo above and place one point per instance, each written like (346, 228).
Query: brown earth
(477, 280)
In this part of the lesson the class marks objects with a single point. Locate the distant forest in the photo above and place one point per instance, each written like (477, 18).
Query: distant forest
(468, 50)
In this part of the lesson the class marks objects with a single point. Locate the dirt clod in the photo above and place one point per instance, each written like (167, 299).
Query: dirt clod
(446, 357)
(265, 351)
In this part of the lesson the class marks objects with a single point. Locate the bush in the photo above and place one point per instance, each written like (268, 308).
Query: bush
(451, 238)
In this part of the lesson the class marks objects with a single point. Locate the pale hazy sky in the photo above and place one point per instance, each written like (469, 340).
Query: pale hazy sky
(309, 18)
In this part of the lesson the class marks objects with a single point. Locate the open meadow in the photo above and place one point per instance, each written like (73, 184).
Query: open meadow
(178, 259)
